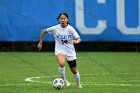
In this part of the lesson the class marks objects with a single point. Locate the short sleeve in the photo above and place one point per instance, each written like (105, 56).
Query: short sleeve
(74, 33)
(51, 30)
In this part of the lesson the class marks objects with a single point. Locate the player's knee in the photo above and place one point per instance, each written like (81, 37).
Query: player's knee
(62, 65)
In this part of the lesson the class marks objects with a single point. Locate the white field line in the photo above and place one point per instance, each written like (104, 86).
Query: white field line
(30, 79)
(85, 84)
(16, 84)
(109, 84)
(119, 83)
(135, 73)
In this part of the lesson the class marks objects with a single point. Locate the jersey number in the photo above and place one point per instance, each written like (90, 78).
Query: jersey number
(64, 41)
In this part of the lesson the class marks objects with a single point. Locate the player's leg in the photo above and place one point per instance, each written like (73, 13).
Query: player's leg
(72, 65)
(61, 61)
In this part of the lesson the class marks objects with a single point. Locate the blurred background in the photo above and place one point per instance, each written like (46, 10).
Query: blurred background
(104, 25)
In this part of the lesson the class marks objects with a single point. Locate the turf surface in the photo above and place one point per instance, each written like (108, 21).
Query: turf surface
(101, 72)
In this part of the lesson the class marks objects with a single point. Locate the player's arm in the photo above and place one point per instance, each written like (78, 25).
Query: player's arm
(75, 34)
(78, 40)
(39, 46)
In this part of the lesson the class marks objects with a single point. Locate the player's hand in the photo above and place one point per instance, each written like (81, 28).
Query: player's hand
(39, 46)
(74, 42)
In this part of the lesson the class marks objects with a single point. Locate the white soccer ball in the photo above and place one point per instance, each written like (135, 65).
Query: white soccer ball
(58, 83)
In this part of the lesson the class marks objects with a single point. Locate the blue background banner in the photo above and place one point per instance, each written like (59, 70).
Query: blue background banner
(94, 20)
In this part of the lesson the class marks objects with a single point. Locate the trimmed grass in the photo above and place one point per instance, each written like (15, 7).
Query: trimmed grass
(101, 72)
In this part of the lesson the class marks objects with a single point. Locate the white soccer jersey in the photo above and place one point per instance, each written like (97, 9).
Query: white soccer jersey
(63, 37)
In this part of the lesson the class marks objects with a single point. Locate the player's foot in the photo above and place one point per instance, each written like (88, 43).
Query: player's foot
(67, 83)
(79, 86)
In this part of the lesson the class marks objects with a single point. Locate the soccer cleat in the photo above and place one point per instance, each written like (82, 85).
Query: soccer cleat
(80, 86)
(67, 83)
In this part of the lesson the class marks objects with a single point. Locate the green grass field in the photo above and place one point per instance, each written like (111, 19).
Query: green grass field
(101, 72)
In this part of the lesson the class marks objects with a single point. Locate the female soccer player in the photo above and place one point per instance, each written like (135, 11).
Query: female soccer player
(64, 46)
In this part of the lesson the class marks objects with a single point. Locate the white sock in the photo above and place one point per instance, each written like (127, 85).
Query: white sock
(62, 72)
(77, 77)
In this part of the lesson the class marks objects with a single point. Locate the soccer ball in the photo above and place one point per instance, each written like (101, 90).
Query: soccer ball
(58, 83)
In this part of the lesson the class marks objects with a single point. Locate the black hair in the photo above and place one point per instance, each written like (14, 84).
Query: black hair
(63, 13)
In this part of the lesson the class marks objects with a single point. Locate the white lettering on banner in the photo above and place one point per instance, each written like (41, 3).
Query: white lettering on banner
(101, 1)
(101, 26)
(121, 19)
(80, 20)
